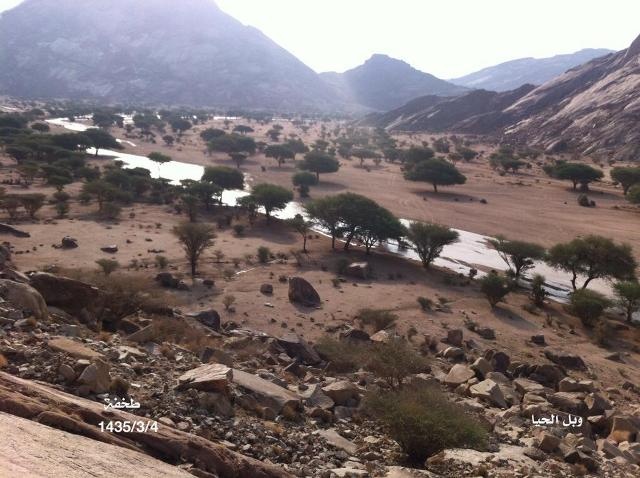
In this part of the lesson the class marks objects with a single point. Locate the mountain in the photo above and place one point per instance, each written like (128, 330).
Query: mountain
(536, 71)
(150, 51)
(478, 111)
(383, 83)
(592, 109)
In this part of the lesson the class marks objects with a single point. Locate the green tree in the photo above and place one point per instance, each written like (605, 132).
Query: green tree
(538, 292)
(627, 177)
(224, 177)
(428, 240)
(319, 162)
(628, 295)
(378, 227)
(180, 125)
(40, 127)
(303, 180)
(588, 305)
(271, 197)
(302, 227)
(190, 204)
(594, 257)
(32, 203)
(211, 133)
(436, 171)
(518, 255)
(279, 152)
(633, 195)
(577, 173)
(415, 155)
(363, 153)
(195, 239)
(100, 139)
(494, 287)
(101, 190)
(159, 159)
(326, 213)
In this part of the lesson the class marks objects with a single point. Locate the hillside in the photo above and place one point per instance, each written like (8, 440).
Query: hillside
(150, 52)
(383, 83)
(535, 71)
(478, 111)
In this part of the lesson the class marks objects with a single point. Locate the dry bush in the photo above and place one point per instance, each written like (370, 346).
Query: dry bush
(376, 319)
(3, 361)
(423, 421)
(343, 357)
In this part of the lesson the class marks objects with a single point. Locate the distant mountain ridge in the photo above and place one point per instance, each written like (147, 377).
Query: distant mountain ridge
(592, 109)
(535, 71)
(150, 52)
(383, 83)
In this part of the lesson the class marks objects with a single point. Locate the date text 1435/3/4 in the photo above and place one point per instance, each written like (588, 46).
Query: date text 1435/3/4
(126, 426)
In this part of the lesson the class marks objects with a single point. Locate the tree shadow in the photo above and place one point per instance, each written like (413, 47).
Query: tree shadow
(514, 319)
(444, 196)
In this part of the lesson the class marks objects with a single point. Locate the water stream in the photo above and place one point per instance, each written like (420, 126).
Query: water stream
(471, 251)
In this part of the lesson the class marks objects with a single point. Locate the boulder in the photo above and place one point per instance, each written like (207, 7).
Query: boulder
(110, 249)
(356, 335)
(266, 289)
(499, 360)
(342, 392)
(302, 292)
(25, 297)
(453, 353)
(316, 398)
(298, 348)
(358, 270)
(145, 334)
(489, 391)
(565, 359)
(210, 318)
(528, 386)
(625, 428)
(548, 442)
(266, 393)
(486, 333)
(166, 279)
(608, 448)
(570, 402)
(69, 242)
(381, 337)
(458, 375)
(96, 376)
(213, 377)
(338, 441)
(73, 348)
(70, 295)
(454, 337)
(7, 229)
(568, 384)
(538, 339)
(596, 404)
(482, 367)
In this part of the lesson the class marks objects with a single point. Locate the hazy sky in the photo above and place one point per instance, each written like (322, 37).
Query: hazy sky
(448, 38)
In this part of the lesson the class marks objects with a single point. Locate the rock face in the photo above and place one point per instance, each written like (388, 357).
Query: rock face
(25, 297)
(68, 294)
(212, 377)
(267, 393)
(302, 292)
(33, 401)
(565, 359)
(29, 439)
(210, 318)
(210, 59)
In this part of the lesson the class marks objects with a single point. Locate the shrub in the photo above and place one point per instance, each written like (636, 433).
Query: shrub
(343, 357)
(62, 208)
(393, 361)
(377, 319)
(588, 305)
(423, 422)
(110, 210)
(538, 292)
(341, 265)
(107, 265)
(584, 201)
(162, 262)
(425, 303)
(238, 229)
(228, 301)
(264, 254)
(494, 287)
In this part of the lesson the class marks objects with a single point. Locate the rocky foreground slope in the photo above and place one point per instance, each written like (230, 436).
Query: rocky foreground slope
(253, 405)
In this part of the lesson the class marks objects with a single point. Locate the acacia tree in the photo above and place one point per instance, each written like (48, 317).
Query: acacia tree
(279, 152)
(271, 197)
(378, 227)
(428, 240)
(303, 180)
(100, 139)
(224, 177)
(436, 171)
(326, 213)
(319, 162)
(518, 255)
(363, 153)
(633, 196)
(195, 239)
(594, 257)
(627, 177)
(159, 159)
(628, 294)
(577, 173)
(302, 227)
